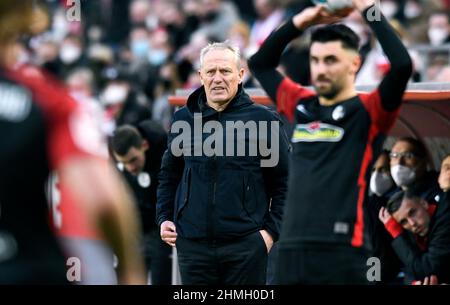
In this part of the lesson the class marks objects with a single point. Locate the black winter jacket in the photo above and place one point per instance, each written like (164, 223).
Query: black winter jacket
(218, 197)
(435, 259)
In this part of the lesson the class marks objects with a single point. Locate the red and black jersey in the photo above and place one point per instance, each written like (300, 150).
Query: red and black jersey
(333, 146)
(41, 127)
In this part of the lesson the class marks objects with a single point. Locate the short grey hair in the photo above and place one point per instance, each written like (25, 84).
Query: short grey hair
(225, 45)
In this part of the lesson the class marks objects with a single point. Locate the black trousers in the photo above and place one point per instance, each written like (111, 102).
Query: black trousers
(158, 258)
(325, 264)
(242, 261)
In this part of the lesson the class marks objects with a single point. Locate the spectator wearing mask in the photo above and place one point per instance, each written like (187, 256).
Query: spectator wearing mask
(70, 55)
(381, 188)
(438, 29)
(409, 168)
(123, 103)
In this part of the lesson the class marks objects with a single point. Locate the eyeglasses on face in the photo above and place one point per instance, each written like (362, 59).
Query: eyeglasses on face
(407, 155)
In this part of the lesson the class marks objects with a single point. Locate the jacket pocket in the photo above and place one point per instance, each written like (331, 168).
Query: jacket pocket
(250, 198)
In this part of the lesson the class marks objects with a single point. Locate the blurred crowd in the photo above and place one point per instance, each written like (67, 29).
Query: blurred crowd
(124, 58)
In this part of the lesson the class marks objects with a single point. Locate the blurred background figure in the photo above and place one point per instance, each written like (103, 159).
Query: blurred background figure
(444, 176)
(139, 151)
(123, 103)
(216, 18)
(381, 188)
(270, 16)
(48, 131)
(439, 28)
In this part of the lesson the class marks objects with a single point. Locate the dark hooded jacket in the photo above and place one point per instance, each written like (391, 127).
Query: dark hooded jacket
(222, 195)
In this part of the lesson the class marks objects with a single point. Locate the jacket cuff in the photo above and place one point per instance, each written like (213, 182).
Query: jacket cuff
(161, 220)
(273, 234)
(393, 227)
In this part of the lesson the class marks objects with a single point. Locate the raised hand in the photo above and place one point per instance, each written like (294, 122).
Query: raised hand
(318, 15)
(384, 215)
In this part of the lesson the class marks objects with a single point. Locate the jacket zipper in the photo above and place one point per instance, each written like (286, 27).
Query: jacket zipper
(213, 206)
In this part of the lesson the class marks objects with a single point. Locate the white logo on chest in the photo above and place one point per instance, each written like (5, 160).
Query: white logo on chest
(303, 110)
(338, 113)
(144, 180)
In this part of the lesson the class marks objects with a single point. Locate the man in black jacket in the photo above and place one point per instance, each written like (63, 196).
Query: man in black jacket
(221, 193)
(421, 235)
(140, 151)
(338, 133)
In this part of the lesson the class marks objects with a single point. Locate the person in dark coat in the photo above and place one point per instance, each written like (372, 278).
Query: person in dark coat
(140, 151)
(221, 194)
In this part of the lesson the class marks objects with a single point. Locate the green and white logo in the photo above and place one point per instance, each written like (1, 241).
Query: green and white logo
(317, 132)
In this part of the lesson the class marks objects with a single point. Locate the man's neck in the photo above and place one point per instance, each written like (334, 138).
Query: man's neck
(341, 97)
(218, 107)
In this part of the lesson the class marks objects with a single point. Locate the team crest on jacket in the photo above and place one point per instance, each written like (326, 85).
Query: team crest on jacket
(144, 180)
(317, 132)
(338, 113)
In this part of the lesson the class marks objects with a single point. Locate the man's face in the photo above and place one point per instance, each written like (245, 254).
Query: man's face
(413, 216)
(333, 68)
(403, 153)
(133, 160)
(220, 75)
(444, 176)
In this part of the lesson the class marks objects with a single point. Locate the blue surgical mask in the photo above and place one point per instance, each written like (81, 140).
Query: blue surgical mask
(157, 57)
(140, 48)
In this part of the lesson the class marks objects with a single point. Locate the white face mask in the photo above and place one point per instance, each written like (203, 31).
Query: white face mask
(412, 10)
(380, 183)
(437, 36)
(403, 175)
(114, 94)
(69, 54)
(389, 8)
(157, 57)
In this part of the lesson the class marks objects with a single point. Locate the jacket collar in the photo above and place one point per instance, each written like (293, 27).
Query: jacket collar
(197, 102)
